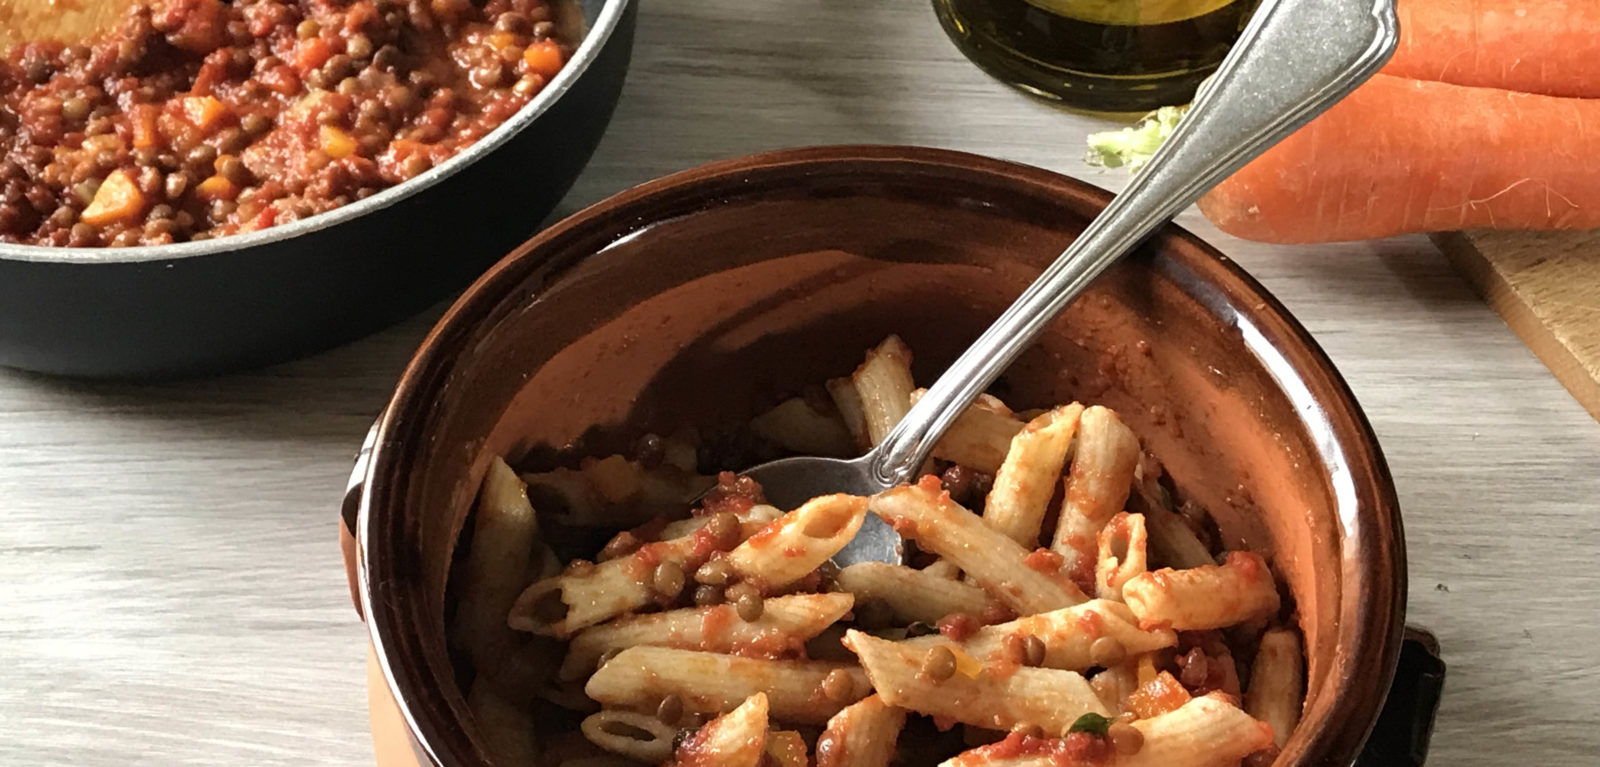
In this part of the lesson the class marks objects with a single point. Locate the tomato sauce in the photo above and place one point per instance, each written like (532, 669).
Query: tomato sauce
(201, 118)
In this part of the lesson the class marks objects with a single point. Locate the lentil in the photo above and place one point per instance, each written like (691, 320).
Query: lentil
(182, 82)
(939, 664)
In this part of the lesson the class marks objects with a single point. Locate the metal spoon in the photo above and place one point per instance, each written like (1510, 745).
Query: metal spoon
(1295, 59)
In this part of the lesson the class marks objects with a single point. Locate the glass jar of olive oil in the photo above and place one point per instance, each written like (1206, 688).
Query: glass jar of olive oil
(1099, 55)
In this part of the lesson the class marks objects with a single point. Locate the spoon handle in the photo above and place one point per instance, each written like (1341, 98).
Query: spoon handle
(1295, 59)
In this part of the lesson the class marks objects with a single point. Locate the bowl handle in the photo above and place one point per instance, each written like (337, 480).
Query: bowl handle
(1400, 738)
(350, 512)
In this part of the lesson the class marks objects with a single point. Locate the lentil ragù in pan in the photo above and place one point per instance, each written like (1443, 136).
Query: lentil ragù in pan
(200, 118)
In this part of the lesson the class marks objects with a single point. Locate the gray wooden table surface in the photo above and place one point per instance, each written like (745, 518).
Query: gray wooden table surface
(170, 586)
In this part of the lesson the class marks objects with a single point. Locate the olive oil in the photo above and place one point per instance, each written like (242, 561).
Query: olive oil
(1098, 55)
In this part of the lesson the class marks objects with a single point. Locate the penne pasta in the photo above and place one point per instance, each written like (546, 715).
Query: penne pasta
(507, 730)
(883, 382)
(562, 605)
(862, 735)
(1097, 487)
(753, 520)
(1114, 684)
(1068, 636)
(709, 683)
(1123, 542)
(1049, 698)
(995, 562)
(631, 734)
(916, 595)
(796, 544)
(784, 626)
(943, 569)
(795, 426)
(848, 403)
(1171, 542)
(1277, 683)
(1205, 732)
(617, 492)
(735, 739)
(981, 436)
(1207, 597)
(733, 613)
(1027, 478)
(504, 533)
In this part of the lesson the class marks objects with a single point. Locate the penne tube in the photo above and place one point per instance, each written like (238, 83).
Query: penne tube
(981, 436)
(1049, 698)
(797, 543)
(1171, 542)
(617, 492)
(848, 403)
(709, 683)
(1068, 636)
(1277, 683)
(631, 734)
(862, 735)
(1207, 597)
(1122, 554)
(507, 730)
(735, 739)
(754, 519)
(562, 605)
(884, 384)
(1027, 478)
(1000, 565)
(1097, 487)
(796, 427)
(505, 530)
(1114, 684)
(784, 626)
(943, 569)
(916, 595)
(1205, 732)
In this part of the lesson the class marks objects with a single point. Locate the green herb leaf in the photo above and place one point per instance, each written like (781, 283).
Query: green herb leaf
(1091, 723)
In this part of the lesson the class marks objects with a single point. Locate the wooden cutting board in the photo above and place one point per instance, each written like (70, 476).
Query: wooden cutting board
(1547, 287)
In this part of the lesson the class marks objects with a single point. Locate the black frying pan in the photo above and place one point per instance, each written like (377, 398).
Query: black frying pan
(253, 299)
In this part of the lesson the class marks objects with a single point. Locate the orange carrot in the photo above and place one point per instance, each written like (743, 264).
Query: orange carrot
(1535, 46)
(1403, 155)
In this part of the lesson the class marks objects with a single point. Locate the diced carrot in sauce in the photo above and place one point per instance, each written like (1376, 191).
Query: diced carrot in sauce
(312, 54)
(217, 188)
(1159, 696)
(337, 143)
(205, 112)
(966, 665)
(544, 58)
(145, 134)
(118, 199)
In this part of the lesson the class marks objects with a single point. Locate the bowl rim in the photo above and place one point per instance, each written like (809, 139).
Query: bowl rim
(1370, 532)
(597, 34)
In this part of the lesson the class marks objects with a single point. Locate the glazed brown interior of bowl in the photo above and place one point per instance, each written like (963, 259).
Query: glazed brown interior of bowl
(707, 296)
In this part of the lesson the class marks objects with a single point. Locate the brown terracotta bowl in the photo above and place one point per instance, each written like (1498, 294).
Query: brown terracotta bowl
(702, 297)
